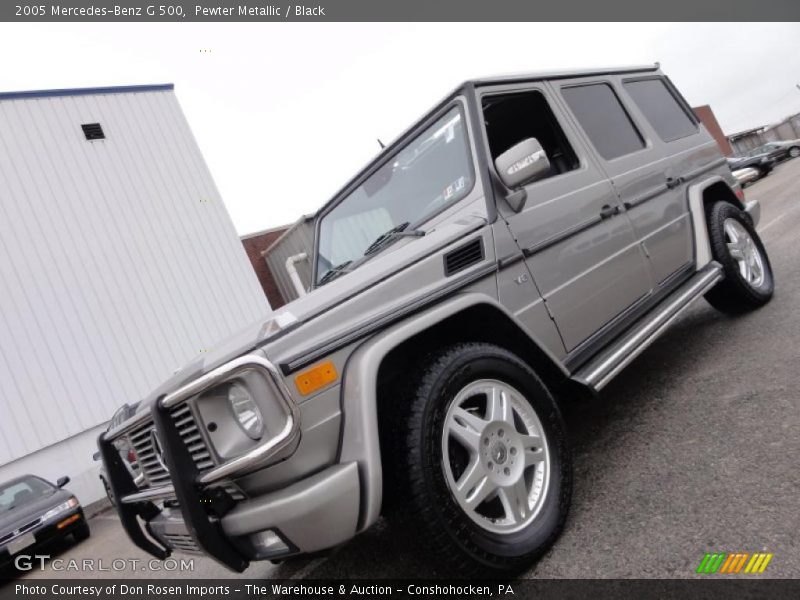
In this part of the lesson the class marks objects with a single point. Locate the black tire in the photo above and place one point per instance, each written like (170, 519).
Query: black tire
(416, 463)
(762, 172)
(794, 152)
(82, 533)
(109, 493)
(734, 295)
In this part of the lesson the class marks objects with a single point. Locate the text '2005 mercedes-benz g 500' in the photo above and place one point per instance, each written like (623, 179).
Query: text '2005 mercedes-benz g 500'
(525, 240)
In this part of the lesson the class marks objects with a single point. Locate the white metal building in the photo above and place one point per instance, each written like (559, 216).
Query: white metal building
(118, 263)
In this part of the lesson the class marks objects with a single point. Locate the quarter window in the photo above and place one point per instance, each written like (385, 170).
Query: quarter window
(604, 119)
(660, 106)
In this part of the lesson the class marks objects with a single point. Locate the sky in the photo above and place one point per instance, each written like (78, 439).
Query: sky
(287, 113)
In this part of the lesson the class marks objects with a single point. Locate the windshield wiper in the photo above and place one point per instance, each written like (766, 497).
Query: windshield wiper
(334, 272)
(389, 236)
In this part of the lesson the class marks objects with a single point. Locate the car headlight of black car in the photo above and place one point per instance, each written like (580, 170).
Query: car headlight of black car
(61, 508)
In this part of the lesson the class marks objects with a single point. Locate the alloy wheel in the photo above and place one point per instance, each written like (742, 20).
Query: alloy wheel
(495, 456)
(744, 251)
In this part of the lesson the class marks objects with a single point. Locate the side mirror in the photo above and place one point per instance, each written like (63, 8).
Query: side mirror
(524, 162)
(62, 481)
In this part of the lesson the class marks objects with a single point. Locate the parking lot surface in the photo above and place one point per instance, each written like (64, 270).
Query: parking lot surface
(692, 449)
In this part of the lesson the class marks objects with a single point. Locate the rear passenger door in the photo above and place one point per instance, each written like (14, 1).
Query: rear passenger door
(642, 170)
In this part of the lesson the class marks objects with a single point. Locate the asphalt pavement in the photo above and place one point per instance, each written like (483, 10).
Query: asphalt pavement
(692, 449)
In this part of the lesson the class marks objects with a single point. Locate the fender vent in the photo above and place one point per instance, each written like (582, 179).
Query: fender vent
(93, 131)
(467, 255)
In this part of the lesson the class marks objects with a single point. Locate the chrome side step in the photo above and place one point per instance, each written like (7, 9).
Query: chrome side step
(602, 368)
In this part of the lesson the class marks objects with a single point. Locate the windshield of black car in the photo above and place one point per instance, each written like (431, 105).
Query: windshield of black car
(22, 491)
(431, 172)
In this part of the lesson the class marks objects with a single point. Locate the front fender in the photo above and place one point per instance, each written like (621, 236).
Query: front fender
(360, 441)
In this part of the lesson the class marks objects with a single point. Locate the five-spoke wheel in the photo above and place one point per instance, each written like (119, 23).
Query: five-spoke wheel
(479, 460)
(748, 282)
(495, 455)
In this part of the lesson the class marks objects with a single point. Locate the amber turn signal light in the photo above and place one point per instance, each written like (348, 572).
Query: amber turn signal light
(315, 378)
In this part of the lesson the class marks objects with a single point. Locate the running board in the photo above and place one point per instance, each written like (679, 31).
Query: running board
(602, 368)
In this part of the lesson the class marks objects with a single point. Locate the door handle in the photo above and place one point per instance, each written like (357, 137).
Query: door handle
(608, 211)
(673, 182)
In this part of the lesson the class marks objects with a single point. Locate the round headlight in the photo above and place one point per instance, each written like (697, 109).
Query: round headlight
(246, 411)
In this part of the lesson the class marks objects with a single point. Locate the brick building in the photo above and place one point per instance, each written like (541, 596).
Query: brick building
(254, 245)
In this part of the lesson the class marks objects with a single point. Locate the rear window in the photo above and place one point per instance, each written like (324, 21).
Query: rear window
(661, 108)
(604, 119)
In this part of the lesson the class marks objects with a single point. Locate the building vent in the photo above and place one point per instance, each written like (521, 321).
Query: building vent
(93, 131)
(467, 255)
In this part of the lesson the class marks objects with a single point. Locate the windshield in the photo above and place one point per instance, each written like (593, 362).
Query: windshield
(25, 490)
(431, 172)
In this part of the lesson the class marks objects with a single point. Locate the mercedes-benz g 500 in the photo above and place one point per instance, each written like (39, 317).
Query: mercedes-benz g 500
(523, 241)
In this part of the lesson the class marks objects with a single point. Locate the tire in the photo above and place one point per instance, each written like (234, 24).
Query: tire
(762, 172)
(109, 493)
(742, 289)
(794, 151)
(82, 533)
(429, 464)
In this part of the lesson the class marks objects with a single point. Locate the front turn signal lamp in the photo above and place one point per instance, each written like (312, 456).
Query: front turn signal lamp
(315, 378)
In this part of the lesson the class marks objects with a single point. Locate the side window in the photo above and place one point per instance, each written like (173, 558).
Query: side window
(604, 119)
(511, 118)
(661, 108)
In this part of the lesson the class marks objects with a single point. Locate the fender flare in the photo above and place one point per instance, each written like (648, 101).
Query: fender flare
(360, 437)
(702, 244)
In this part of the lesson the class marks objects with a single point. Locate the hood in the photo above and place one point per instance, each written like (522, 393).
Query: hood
(20, 515)
(294, 315)
(237, 344)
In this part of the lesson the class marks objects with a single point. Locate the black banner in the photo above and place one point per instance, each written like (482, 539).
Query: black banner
(401, 10)
(243, 589)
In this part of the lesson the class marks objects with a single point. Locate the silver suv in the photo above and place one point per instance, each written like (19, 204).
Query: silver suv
(518, 245)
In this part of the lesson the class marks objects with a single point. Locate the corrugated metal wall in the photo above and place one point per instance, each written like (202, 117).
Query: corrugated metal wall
(298, 238)
(118, 260)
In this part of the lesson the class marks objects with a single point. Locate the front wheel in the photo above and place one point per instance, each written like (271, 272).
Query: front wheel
(82, 532)
(485, 460)
(794, 151)
(748, 283)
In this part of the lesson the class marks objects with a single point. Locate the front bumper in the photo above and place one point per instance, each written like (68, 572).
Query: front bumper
(314, 513)
(48, 532)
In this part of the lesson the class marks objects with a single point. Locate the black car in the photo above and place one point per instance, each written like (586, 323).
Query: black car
(779, 149)
(763, 163)
(34, 512)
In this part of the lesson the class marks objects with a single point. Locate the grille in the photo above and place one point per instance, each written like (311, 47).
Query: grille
(25, 528)
(463, 257)
(181, 541)
(142, 441)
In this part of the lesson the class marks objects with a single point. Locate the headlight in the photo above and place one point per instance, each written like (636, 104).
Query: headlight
(69, 504)
(246, 411)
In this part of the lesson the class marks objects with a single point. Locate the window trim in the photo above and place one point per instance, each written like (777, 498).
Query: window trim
(397, 147)
(554, 109)
(636, 126)
(676, 95)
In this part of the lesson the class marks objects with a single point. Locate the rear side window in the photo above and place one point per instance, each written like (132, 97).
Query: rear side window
(661, 108)
(604, 119)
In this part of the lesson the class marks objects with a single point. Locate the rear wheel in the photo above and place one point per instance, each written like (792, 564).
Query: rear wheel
(794, 151)
(748, 282)
(484, 464)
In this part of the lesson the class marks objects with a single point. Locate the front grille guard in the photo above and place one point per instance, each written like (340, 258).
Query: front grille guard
(201, 509)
